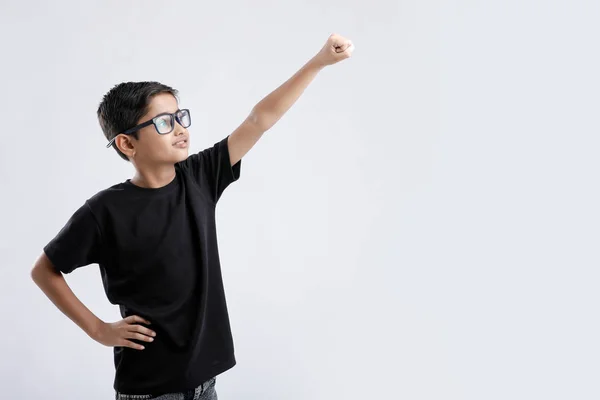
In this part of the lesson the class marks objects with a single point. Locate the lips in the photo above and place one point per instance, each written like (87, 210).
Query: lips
(183, 142)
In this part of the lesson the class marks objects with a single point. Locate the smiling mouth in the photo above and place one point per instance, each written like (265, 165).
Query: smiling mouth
(181, 143)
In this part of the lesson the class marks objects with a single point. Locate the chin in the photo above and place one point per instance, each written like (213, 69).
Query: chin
(182, 156)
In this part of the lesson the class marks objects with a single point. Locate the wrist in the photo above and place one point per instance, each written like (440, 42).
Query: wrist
(316, 63)
(94, 329)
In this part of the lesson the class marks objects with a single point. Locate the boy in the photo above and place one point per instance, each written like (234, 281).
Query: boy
(154, 238)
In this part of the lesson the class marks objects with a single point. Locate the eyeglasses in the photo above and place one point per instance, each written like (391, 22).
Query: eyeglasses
(164, 123)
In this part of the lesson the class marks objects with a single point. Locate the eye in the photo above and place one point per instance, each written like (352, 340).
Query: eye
(161, 123)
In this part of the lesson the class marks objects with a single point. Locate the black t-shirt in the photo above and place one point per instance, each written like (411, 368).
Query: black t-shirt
(158, 257)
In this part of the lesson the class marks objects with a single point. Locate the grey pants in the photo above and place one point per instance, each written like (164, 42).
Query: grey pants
(206, 391)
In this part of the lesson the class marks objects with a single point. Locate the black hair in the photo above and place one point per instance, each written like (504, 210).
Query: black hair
(123, 106)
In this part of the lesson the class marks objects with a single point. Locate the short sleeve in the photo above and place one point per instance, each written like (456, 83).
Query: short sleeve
(77, 244)
(212, 168)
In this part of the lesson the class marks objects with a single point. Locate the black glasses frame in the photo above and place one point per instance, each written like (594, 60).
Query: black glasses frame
(174, 115)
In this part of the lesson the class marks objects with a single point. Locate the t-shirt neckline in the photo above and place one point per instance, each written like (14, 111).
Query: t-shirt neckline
(150, 191)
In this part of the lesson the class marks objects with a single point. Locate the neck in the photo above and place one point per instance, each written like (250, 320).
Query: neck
(154, 177)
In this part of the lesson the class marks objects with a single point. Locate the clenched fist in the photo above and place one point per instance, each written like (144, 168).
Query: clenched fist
(117, 334)
(336, 49)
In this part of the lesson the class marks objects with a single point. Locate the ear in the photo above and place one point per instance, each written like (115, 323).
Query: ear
(125, 144)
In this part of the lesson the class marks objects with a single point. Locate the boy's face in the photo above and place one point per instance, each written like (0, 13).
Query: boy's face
(154, 148)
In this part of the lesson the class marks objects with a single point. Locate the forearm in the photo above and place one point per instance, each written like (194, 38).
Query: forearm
(270, 109)
(54, 286)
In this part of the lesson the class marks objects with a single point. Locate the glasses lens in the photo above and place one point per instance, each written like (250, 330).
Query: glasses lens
(184, 118)
(163, 124)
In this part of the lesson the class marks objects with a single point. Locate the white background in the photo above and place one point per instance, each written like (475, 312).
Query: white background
(422, 224)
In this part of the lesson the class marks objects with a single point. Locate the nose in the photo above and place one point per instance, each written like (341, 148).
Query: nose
(178, 129)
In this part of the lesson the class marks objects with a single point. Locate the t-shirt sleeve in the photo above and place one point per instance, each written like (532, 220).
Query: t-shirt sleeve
(212, 169)
(77, 244)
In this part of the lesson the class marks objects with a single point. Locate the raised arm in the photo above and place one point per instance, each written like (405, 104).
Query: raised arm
(270, 109)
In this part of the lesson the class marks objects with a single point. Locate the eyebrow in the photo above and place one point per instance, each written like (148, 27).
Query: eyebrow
(165, 112)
